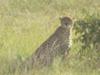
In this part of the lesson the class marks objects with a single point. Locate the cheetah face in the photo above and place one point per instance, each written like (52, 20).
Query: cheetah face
(66, 22)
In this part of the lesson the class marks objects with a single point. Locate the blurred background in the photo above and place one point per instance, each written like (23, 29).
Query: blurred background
(25, 24)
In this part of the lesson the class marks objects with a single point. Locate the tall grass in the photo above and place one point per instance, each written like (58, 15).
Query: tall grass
(25, 24)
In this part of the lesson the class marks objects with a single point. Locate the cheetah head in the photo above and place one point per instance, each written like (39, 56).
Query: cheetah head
(66, 22)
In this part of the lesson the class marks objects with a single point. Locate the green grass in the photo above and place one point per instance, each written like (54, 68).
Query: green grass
(25, 24)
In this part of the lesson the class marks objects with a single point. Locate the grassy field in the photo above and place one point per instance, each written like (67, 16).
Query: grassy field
(25, 24)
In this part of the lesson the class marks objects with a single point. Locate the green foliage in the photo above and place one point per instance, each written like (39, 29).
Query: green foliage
(88, 31)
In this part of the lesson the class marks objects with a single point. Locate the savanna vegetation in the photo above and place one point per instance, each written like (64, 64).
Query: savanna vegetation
(25, 24)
